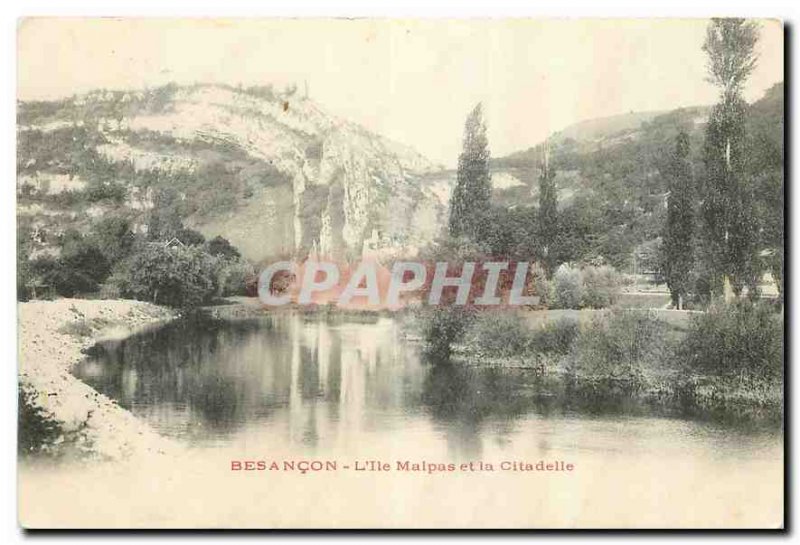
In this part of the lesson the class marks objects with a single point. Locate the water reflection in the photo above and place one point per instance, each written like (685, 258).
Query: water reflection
(202, 380)
(326, 385)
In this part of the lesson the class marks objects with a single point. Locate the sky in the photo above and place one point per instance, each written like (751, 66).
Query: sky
(411, 80)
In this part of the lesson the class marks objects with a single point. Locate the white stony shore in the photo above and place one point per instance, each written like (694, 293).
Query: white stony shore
(48, 351)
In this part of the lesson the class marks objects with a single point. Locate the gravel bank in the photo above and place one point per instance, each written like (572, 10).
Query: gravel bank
(52, 336)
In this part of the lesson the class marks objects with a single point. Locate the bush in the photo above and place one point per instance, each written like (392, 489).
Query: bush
(39, 434)
(234, 276)
(601, 286)
(743, 339)
(66, 280)
(555, 336)
(221, 247)
(498, 334)
(113, 236)
(541, 286)
(442, 327)
(79, 328)
(567, 287)
(619, 344)
(84, 257)
(176, 277)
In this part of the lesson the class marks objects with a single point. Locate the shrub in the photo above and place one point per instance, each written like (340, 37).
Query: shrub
(79, 328)
(499, 334)
(113, 236)
(743, 339)
(36, 430)
(567, 287)
(619, 344)
(442, 327)
(67, 280)
(541, 286)
(601, 286)
(234, 276)
(221, 247)
(84, 257)
(39, 434)
(555, 336)
(176, 277)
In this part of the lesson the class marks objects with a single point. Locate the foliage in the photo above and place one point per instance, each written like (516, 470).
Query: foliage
(473, 190)
(36, 429)
(40, 434)
(619, 344)
(78, 328)
(235, 276)
(442, 327)
(542, 287)
(555, 336)
(114, 238)
(548, 215)
(221, 247)
(511, 233)
(743, 339)
(505, 334)
(729, 224)
(499, 334)
(731, 47)
(567, 287)
(79, 269)
(765, 167)
(679, 232)
(601, 286)
(24, 269)
(175, 276)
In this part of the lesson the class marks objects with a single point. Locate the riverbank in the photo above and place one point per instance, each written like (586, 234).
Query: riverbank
(247, 308)
(70, 416)
(682, 363)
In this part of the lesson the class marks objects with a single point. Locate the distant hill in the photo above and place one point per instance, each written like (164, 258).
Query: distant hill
(612, 169)
(270, 171)
(276, 175)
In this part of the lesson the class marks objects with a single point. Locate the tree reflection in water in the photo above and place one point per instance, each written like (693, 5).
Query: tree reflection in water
(326, 383)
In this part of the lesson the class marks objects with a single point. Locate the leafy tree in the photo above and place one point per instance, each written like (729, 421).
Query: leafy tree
(765, 165)
(84, 257)
(114, 238)
(177, 276)
(80, 268)
(730, 228)
(190, 237)
(220, 246)
(548, 215)
(473, 191)
(567, 287)
(511, 233)
(66, 281)
(580, 228)
(164, 220)
(679, 233)
(442, 327)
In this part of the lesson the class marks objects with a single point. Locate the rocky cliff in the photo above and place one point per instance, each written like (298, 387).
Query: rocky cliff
(271, 171)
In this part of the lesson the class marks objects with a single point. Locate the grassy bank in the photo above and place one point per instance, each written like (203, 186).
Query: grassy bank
(725, 364)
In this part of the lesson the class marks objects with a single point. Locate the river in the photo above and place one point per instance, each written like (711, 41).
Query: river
(357, 394)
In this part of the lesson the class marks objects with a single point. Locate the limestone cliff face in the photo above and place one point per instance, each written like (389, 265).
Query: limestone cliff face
(272, 172)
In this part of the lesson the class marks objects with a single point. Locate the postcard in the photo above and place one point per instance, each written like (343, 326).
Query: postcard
(400, 273)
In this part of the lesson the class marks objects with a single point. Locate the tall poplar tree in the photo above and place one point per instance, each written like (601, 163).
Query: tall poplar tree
(730, 230)
(548, 212)
(471, 199)
(680, 222)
